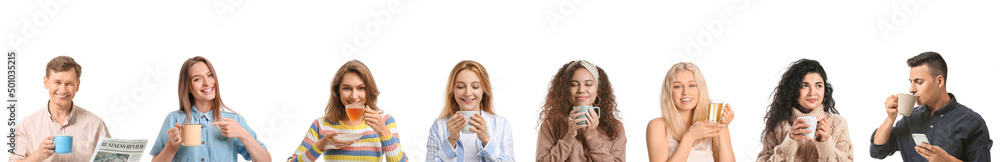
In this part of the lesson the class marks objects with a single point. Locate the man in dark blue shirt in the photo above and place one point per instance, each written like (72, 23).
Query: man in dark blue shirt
(954, 132)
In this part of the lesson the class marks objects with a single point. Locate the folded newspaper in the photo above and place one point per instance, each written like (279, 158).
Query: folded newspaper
(118, 150)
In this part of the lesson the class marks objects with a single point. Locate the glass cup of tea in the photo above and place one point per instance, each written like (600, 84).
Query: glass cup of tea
(715, 110)
(355, 112)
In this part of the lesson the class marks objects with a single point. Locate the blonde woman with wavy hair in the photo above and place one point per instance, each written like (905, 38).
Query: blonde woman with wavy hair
(489, 136)
(683, 133)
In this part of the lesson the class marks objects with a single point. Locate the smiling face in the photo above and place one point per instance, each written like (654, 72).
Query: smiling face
(202, 82)
(352, 90)
(583, 88)
(811, 91)
(924, 85)
(62, 86)
(684, 91)
(468, 91)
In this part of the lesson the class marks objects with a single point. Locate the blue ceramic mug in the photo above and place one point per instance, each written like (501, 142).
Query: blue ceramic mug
(63, 144)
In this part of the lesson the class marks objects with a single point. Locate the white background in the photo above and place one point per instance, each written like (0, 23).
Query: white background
(275, 60)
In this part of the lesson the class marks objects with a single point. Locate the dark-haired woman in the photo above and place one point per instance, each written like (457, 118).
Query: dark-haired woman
(804, 91)
(562, 136)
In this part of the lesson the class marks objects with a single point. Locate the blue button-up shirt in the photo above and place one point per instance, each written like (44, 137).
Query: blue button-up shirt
(955, 128)
(214, 147)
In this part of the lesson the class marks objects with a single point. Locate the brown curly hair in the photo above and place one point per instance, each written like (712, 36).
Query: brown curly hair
(557, 105)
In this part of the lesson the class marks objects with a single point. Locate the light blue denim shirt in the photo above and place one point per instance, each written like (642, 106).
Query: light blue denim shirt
(214, 147)
(500, 147)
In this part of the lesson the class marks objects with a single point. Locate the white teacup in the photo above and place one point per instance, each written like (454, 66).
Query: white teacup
(905, 103)
(468, 117)
(812, 121)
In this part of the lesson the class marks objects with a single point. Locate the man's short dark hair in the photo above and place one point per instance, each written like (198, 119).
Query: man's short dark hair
(62, 64)
(934, 62)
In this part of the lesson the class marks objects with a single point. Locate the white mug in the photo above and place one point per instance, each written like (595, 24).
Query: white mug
(468, 116)
(811, 120)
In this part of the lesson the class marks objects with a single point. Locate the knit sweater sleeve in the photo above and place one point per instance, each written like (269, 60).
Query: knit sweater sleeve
(778, 146)
(838, 147)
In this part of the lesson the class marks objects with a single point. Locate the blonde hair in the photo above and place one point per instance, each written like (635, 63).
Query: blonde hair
(671, 117)
(451, 106)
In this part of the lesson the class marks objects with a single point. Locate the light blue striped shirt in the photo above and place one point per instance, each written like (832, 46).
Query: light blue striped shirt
(500, 147)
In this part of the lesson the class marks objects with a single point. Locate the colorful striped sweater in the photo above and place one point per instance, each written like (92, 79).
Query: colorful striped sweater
(371, 147)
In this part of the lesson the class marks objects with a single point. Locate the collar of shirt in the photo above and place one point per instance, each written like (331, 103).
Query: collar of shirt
(69, 119)
(947, 108)
(195, 114)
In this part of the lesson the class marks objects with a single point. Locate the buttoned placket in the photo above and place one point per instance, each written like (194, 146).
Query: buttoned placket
(201, 119)
(61, 131)
(934, 120)
(63, 125)
(204, 132)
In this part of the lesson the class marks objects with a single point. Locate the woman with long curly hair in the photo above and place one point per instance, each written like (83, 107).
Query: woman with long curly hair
(566, 133)
(804, 91)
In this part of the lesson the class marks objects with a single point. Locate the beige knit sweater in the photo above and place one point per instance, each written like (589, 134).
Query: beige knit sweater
(780, 147)
(552, 147)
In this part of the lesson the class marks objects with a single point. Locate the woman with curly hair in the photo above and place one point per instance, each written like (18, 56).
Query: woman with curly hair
(804, 91)
(567, 134)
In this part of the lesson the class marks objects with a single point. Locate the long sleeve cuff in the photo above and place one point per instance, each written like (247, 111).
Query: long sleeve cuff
(787, 149)
(596, 144)
(879, 151)
(490, 150)
(388, 141)
(826, 149)
(566, 142)
(390, 147)
(447, 152)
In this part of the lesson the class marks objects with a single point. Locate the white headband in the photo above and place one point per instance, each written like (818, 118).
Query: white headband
(589, 66)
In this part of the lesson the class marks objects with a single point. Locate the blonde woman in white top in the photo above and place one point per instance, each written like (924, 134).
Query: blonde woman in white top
(682, 133)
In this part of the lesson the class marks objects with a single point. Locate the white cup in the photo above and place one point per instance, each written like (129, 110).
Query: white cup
(811, 120)
(468, 116)
(905, 103)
